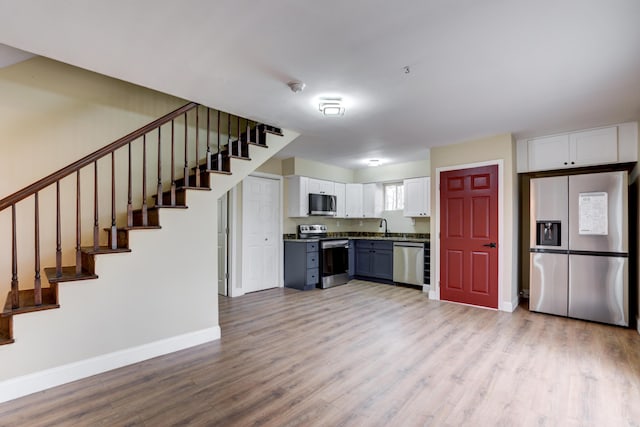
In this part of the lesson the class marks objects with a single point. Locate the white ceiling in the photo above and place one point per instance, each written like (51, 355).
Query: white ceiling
(478, 68)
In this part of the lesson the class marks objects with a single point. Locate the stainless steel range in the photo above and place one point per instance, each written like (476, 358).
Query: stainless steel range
(334, 254)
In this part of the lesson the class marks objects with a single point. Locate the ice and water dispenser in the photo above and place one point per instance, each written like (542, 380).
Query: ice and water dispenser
(548, 233)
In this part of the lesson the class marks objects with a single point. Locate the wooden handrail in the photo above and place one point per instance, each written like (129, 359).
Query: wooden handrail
(91, 158)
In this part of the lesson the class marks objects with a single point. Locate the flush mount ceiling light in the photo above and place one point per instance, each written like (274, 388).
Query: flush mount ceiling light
(373, 162)
(331, 107)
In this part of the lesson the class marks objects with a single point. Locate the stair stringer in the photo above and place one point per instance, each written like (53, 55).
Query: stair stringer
(242, 168)
(159, 298)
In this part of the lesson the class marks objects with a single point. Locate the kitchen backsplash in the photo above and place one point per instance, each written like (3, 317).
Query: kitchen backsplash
(397, 223)
(366, 234)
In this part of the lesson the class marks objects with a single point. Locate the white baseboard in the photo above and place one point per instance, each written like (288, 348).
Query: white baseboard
(434, 295)
(38, 381)
(510, 307)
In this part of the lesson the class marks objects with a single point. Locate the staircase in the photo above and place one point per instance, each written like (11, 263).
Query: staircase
(171, 157)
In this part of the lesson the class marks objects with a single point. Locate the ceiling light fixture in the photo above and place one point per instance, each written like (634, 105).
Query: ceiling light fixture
(373, 162)
(331, 107)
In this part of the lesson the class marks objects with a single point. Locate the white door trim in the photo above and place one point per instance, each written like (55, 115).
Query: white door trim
(434, 292)
(280, 180)
(237, 240)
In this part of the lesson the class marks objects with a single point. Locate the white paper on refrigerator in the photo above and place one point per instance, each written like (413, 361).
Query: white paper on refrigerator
(593, 218)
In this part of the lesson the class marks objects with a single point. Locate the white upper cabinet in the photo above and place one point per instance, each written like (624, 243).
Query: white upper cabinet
(297, 196)
(340, 193)
(594, 147)
(320, 186)
(612, 144)
(372, 200)
(551, 152)
(353, 201)
(417, 197)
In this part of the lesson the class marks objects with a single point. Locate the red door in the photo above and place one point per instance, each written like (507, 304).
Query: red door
(469, 236)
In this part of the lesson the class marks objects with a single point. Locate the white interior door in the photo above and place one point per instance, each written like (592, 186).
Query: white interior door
(260, 231)
(223, 232)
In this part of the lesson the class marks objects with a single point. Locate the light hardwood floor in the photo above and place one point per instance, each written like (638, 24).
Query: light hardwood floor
(365, 354)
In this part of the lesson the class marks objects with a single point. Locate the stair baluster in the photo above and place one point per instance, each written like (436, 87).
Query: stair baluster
(229, 144)
(208, 155)
(113, 234)
(37, 283)
(173, 164)
(197, 130)
(186, 153)
(58, 233)
(78, 225)
(219, 153)
(15, 296)
(159, 190)
(145, 211)
(130, 192)
(96, 236)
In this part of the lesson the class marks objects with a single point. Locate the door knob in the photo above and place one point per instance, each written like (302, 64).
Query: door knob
(490, 245)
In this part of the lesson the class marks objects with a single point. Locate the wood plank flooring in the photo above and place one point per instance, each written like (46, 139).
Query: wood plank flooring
(364, 354)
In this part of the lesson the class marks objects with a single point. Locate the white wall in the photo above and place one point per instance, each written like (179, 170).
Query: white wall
(159, 298)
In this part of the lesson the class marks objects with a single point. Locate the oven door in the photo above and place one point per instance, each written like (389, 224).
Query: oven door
(335, 263)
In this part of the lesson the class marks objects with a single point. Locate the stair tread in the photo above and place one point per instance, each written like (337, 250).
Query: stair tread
(27, 302)
(171, 206)
(6, 340)
(194, 188)
(103, 250)
(68, 274)
(217, 171)
(257, 144)
(233, 156)
(135, 227)
(141, 227)
(154, 208)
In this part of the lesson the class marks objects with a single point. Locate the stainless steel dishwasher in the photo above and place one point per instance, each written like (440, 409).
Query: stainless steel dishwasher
(408, 263)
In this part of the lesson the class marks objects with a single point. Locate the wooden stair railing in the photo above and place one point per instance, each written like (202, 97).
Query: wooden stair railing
(171, 193)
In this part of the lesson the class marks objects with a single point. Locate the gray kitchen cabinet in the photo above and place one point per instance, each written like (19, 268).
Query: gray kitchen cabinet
(301, 265)
(374, 259)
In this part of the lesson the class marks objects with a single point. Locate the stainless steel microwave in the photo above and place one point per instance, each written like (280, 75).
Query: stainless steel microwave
(322, 204)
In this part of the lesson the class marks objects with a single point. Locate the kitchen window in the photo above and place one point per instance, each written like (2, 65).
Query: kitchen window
(394, 196)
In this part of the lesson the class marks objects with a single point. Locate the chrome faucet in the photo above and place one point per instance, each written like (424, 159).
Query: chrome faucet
(383, 220)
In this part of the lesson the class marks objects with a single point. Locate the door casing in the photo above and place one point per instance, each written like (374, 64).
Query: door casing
(434, 292)
(235, 237)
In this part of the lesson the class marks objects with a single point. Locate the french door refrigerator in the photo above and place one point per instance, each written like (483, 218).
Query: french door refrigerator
(579, 247)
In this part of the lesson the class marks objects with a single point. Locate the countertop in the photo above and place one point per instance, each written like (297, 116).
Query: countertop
(391, 238)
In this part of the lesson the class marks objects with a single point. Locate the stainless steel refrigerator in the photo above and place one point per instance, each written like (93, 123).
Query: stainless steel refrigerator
(579, 247)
